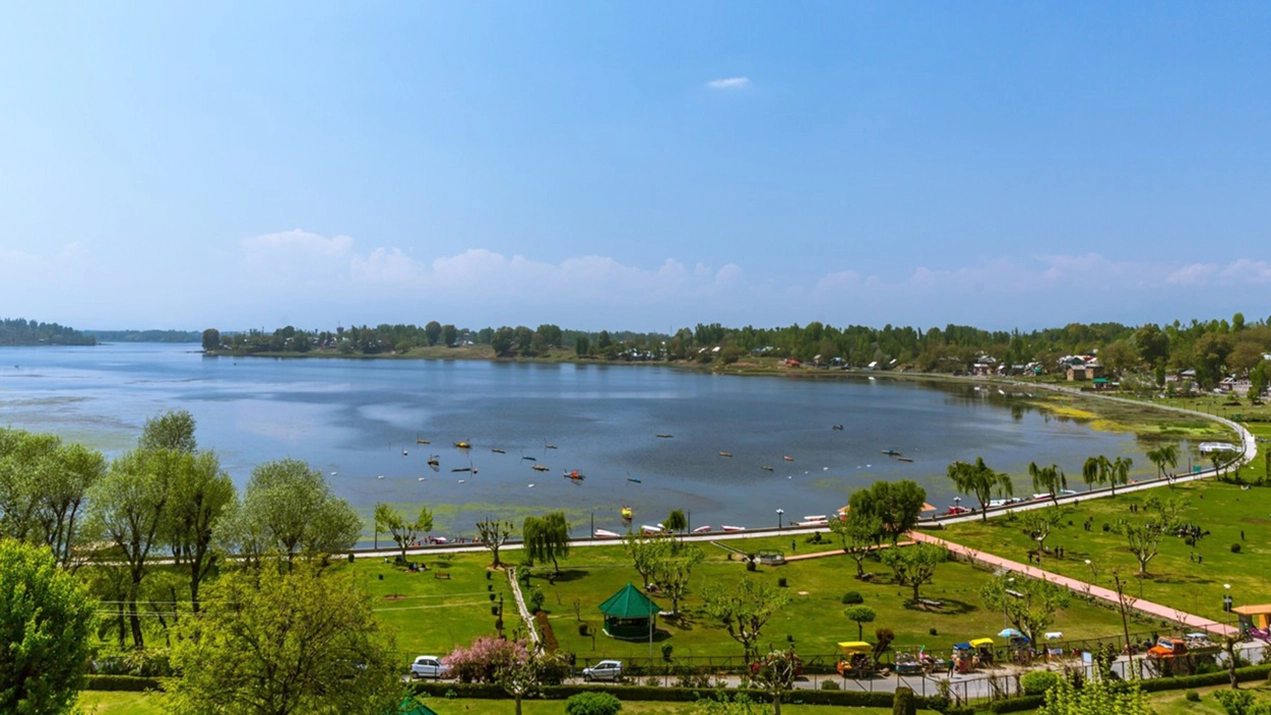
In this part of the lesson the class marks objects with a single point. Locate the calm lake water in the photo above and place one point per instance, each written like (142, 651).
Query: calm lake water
(358, 420)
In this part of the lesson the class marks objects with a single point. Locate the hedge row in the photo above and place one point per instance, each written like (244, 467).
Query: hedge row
(847, 698)
(1151, 685)
(1218, 677)
(131, 683)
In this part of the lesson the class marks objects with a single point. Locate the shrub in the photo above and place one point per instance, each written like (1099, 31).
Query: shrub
(1235, 548)
(903, 702)
(130, 683)
(536, 599)
(1037, 682)
(781, 582)
(830, 685)
(667, 648)
(1192, 696)
(1107, 527)
(853, 597)
(592, 703)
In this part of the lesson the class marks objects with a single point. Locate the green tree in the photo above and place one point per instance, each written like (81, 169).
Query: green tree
(432, 332)
(449, 334)
(503, 342)
(128, 510)
(1258, 381)
(546, 538)
(646, 553)
(978, 479)
(211, 339)
(1164, 457)
(744, 608)
(43, 487)
(404, 532)
(913, 566)
(523, 676)
(671, 572)
(551, 334)
(201, 495)
(280, 640)
(860, 615)
(1119, 472)
(582, 346)
(897, 505)
(859, 534)
(1050, 480)
(675, 522)
(1038, 523)
(1029, 604)
(46, 620)
(172, 430)
(288, 507)
(493, 535)
(1095, 470)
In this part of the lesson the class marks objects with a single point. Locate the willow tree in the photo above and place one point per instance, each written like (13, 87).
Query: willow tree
(1048, 479)
(980, 480)
(546, 538)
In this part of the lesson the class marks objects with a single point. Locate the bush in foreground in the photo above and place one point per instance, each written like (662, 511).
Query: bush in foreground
(593, 703)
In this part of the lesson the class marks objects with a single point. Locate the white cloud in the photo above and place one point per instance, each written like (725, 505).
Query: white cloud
(729, 83)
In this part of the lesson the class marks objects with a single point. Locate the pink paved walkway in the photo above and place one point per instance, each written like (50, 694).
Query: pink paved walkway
(1081, 587)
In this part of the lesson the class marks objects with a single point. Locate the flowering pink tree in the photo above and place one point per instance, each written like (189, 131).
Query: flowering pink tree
(483, 659)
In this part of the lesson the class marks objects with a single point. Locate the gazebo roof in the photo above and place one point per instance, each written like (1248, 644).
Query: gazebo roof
(629, 603)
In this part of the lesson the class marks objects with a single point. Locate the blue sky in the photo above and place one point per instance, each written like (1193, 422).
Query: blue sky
(633, 166)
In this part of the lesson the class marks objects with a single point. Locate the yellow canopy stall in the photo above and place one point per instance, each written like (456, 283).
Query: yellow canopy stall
(851, 647)
(982, 643)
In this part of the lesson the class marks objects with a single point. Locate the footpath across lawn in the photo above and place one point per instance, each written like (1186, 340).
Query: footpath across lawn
(1188, 577)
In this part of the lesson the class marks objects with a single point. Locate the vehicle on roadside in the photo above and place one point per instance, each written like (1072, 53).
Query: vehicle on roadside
(429, 666)
(610, 670)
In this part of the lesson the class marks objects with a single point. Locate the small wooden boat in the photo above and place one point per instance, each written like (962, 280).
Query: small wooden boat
(549, 446)
(725, 454)
(540, 467)
(765, 467)
(636, 480)
(434, 460)
(652, 529)
(788, 458)
(496, 450)
(462, 469)
(905, 459)
(626, 513)
(701, 529)
(421, 441)
(529, 458)
(891, 452)
(606, 534)
(838, 428)
(574, 475)
(665, 436)
(464, 444)
(726, 527)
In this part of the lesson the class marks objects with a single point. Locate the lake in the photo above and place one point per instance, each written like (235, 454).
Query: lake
(358, 422)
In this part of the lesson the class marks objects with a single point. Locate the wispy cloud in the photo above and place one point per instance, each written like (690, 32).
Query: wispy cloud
(729, 83)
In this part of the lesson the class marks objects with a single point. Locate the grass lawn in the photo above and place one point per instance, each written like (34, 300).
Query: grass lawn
(433, 615)
(1174, 702)
(97, 702)
(1173, 579)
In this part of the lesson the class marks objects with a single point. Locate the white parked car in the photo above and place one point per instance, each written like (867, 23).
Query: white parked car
(429, 666)
(610, 670)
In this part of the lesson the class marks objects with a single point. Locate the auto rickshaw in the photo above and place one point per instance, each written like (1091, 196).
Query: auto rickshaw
(857, 660)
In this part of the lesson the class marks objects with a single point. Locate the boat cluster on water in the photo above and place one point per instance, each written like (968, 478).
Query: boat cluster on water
(577, 477)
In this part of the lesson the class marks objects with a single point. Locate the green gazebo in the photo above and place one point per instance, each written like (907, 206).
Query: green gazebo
(630, 615)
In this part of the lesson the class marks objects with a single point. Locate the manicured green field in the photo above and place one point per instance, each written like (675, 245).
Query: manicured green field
(1174, 578)
(430, 615)
(94, 702)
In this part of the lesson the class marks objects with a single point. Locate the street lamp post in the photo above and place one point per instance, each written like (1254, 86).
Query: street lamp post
(780, 512)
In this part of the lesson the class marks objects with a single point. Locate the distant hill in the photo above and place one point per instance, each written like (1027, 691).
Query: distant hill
(19, 331)
(145, 336)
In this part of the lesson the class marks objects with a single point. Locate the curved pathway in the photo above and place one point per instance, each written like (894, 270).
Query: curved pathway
(1155, 610)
